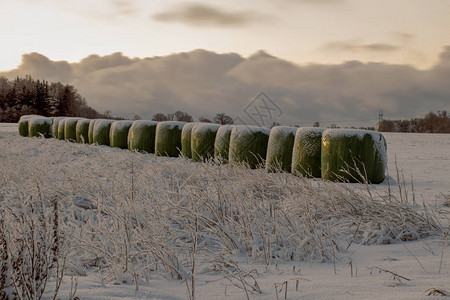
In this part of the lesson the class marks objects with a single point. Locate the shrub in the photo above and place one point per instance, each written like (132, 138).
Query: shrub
(38, 126)
(101, 132)
(82, 131)
(168, 138)
(61, 126)
(306, 159)
(118, 134)
(353, 155)
(202, 141)
(186, 139)
(141, 136)
(248, 145)
(70, 129)
(222, 143)
(279, 149)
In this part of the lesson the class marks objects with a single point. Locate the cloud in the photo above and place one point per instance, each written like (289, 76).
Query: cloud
(198, 14)
(355, 45)
(124, 7)
(204, 83)
(403, 37)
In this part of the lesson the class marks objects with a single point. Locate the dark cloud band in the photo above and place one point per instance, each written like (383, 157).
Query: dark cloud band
(204, 83)
(200, 14)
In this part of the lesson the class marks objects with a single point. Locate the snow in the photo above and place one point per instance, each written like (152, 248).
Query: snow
(120, 125)
(278, 134)
(221, 133)
(26, 117)
(361, 272)
(101, 124)
(240, 133)
(138, 123)
(187, 129)
(238, 129)
(8, 127)
(304, 134)
(171, 124)
(39, 121)
(80, 122)
(204, 127)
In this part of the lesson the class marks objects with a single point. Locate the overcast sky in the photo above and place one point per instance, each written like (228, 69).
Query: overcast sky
(307, 45)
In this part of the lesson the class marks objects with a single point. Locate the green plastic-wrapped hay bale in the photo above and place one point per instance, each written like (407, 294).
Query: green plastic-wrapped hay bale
(61, 126)
(353, 155)
(91, 130)
(23, 124)
(23, 127)
(82, 131)
(203, 137)
(70, 129)
(168, 138)
(118, 134)
(279, 149)
(222, 143)
(38, 126)
(248, 145)
(54, 128)
(306, 155)
(141, 136)
(186, 139)
(101, 132)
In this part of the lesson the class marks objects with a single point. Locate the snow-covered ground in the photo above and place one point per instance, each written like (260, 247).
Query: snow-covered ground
(399, 270)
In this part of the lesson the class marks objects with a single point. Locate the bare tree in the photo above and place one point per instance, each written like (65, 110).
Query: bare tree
(159, 117)
(137, 117)
(223, 119)
(107, 113)
(316, 124)
(182, 116)
(204, 120)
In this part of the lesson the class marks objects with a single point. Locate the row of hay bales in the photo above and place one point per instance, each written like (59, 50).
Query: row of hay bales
(331, 154)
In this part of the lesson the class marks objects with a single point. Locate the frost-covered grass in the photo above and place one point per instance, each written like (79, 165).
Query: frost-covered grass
(146, 222)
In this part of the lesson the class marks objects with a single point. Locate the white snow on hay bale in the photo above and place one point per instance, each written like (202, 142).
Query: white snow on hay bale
(23, 124)
(353, 155)
(279, 149)
(101, 132)
(248, 145)
(118, 134)
(38, 126)
(168, 138)
(186, 134)
(306, 155)
(82, 131)
(222, 143)
(70, 129)
(91, 130)
(61, 126)
(141, 136)
(202, 141)
(54, 128)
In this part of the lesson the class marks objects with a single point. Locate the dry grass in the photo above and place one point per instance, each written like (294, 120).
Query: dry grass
(130, 215)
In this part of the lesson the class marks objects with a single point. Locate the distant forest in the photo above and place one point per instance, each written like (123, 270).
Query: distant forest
(431, 123)
(26, 96)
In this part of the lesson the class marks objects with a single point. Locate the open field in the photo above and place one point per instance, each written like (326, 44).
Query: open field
(166, 222)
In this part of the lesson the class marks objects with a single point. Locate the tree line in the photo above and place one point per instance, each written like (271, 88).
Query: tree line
(26, 96)
(220, 118)
(431, 123)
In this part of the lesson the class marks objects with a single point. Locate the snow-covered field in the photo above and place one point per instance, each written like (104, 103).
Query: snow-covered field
(128, 215)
